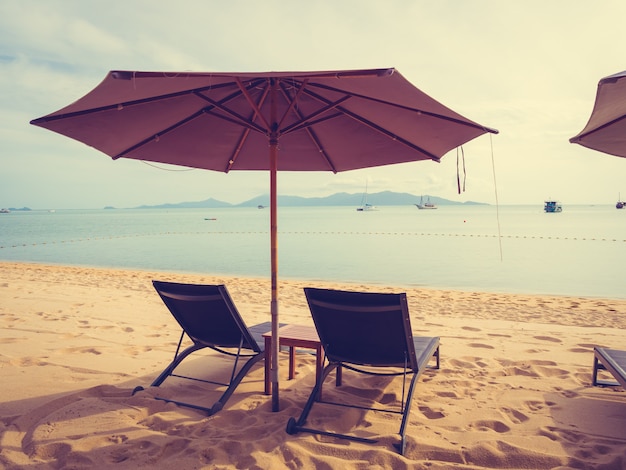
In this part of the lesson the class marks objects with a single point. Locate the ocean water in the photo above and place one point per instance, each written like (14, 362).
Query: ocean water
(519, 249)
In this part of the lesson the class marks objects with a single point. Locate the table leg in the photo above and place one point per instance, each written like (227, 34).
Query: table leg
(319, 362)
(319, 367)
(268, 362)
(292, 362)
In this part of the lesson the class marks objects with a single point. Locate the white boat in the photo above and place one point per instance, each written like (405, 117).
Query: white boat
(365, 207)
(425, 205)
(552, 206)
(4, 211)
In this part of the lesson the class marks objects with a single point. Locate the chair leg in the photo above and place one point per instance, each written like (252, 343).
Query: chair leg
(177, 360)
(231, 386)
(219, 404)
(313, 397)
(293, 426)
(405, 415)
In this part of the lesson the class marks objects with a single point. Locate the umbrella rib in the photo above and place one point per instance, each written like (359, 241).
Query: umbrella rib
(311, 133)
(578, 138)
(156, 136)
(371, 125)
(463, 122)
(255, 107)
(218, 105)
(124, 104)
(290, 100)
(307, 121)
(256, 111)
(238, 119)
(391, 135)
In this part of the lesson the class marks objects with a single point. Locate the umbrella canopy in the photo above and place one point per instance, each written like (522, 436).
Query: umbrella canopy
(606, 129)
(276, 121)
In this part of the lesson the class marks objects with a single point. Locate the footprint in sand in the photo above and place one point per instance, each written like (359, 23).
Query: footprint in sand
(539, 362)
(480, 345)
(462, 364)
(536, 351)
(137, 350)
(515, 416)
(470, 328)
(81, 350)
(11, 340)
(430, 413)
(548, 338)
(27, 362)
(535, 405)
(491, 425)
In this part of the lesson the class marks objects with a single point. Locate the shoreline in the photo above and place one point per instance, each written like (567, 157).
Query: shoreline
(513, 390)
(521, 306)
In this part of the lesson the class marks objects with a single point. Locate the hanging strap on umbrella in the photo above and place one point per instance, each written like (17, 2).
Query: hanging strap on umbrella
(458, 176)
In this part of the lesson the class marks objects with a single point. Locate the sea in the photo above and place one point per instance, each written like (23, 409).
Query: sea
(511, 249)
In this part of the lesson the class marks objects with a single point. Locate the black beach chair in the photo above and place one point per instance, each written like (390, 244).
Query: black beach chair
(611, 360)
(368, 333)
(209, 318)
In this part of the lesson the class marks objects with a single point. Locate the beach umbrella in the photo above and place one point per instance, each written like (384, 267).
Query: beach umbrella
(606, 129)
(271, 121)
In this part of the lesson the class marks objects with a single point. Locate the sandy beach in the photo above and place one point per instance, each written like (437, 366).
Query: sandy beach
(513, 391)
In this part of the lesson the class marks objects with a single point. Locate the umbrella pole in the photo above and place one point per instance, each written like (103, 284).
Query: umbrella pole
(274, 252)
(274, 277)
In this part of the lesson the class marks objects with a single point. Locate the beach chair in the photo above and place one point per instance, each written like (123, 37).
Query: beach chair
(611, 360)
(367, 333)
(209, 318)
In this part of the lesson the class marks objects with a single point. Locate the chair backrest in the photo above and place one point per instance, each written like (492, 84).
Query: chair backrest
(363, 328)
(207, 314)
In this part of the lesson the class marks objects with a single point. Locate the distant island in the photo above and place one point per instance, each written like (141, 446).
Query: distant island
(15, 209)
(384, 198)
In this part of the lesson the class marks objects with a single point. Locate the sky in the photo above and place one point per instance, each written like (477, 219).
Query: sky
(528, 68)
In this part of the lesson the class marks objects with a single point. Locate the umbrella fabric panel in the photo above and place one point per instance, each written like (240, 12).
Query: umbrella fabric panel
(606, 129)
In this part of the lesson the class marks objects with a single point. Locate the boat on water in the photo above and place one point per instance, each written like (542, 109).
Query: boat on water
(426, 205)
(552, 206)
(365, 206)
(620, 204)
(4, 211)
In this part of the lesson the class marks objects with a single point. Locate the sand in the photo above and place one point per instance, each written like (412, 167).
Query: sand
(513, 391)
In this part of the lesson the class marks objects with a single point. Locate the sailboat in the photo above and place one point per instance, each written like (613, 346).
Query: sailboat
(425, 205)
(365, 207)
(620, 204)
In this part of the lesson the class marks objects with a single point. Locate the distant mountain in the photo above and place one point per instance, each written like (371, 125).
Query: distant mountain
(384, 198)
(207, 203)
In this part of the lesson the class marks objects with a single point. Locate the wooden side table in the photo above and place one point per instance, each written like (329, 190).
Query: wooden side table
(293, 336)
